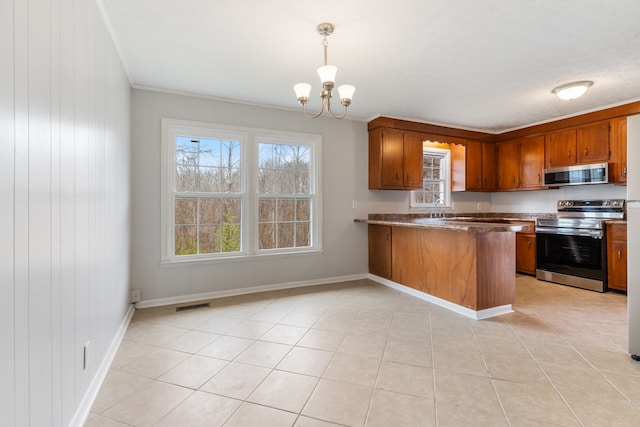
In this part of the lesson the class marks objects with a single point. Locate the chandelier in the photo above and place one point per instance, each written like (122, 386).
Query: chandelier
(327, 75)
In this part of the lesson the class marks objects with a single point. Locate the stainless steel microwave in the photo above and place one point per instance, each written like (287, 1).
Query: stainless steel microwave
(577, 175)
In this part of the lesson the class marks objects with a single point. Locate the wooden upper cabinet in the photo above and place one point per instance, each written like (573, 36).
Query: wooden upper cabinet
(580, 145)
(560, 148)
(474, 165)
(508, 165)
(412, 160)
(395, 159)
(619, 150)
(489, 169)
(593, 143)
(509, 161)
(532, 162)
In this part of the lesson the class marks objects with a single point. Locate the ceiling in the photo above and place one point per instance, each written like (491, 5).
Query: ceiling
(478, 65)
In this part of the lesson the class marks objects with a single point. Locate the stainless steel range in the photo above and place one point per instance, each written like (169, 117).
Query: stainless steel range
(571, 249)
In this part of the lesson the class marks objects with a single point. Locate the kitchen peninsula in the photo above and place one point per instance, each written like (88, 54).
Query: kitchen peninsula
(459, 263)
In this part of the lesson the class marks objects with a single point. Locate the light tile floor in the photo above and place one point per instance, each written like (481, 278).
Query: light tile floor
(359, 353)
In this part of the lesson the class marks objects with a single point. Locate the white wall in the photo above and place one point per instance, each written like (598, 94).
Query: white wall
(64, 209)
(544, 201)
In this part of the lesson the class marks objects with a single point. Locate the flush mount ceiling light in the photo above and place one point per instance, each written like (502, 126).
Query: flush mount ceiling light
(573, 90)
(327, 75)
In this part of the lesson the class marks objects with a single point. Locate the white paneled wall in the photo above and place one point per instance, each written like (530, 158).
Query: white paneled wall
(64, 206)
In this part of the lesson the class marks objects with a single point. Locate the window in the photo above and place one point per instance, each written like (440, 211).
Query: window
(234, 192)
(436, 181)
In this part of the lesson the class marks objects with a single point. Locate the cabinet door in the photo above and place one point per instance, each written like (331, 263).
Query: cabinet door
(412, 160)
(380, 250)
(526, 253)
(508, 164)
(474, 165)
(532, 162)
(619, 150)
(617, 256)
(593, 143)
(392, 158)
(560, 148)
(489, 169)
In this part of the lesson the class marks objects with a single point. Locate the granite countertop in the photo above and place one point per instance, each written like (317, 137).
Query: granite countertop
(469, 224)
(616, 221)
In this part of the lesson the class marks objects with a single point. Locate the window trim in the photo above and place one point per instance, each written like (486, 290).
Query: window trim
(249, 139)
(446, 154)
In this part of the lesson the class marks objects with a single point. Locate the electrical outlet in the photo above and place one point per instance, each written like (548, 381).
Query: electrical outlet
(85, 356)
(136, 295)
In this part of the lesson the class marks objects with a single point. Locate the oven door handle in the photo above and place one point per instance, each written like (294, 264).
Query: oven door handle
(596, 234)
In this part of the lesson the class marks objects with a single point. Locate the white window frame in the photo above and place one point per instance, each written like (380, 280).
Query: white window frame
(446, 170)
(249, 139)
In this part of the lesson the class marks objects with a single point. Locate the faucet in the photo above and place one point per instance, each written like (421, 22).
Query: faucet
(438, 211)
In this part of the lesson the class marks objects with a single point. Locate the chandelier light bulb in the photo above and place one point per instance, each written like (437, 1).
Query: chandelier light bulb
(346, 93)
(327, 74)
(302, 92)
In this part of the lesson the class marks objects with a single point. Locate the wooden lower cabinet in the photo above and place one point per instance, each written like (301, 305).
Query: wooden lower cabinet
(473, 270)
(526, 253)
(380, 250)
(617, 256)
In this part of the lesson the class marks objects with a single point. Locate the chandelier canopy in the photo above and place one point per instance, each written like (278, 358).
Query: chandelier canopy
(327, 75)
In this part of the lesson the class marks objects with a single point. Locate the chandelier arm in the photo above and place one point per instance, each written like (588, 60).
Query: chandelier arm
(344, 113)
(311, 116)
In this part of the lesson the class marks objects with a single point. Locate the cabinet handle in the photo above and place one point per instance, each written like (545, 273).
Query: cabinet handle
(538, 177)
(397, 176)
(386, 236)
(513, 179)
(528, 243)
(624, 171)
(585, 151)
(569, 154)
(619, 254)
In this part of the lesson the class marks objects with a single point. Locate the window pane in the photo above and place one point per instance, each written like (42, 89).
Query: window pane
(185, 240)
(303, 183)
(285, 235)
(186, 178)
(285, 182)
(210, 211)
(185, 212)
(230, 237)
(209, 239)
(303, 210)
(209, 180)
(230, 154)
(209, 153)
(266, 181)
(267, 236)
(286, 210)
(232, 210)
(230, 178)
(186, 151)
(267, 210)
(303, 234)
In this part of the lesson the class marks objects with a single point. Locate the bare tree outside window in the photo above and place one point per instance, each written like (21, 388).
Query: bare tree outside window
(208, 197)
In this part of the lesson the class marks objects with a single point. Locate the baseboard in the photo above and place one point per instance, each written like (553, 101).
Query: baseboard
(243, 291)
(82, 413)
(473, 314)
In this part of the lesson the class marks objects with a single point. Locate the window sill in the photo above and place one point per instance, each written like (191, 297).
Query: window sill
(236, 258)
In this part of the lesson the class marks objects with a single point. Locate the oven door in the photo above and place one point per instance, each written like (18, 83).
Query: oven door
(572, 259)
